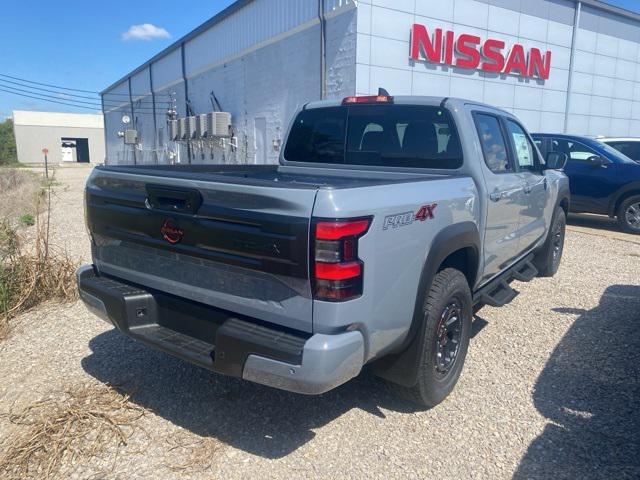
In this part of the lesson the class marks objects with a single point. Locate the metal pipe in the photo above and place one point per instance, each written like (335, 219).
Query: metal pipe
(155, 121)
(186, 95)
(323, 50)
(133, 119)
(576, 26)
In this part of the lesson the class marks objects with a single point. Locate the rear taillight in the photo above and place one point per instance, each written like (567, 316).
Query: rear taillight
(337, 270)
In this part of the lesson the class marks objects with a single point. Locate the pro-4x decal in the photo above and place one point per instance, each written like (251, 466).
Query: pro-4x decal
(425, 212)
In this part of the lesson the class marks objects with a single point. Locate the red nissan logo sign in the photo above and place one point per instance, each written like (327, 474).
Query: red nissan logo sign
(468, 51)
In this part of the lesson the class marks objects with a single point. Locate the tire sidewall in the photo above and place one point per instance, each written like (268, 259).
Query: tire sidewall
(621, 214)
(559, 217)
(433, 386)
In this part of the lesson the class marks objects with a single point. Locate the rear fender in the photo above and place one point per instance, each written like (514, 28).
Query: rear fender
(401, 367)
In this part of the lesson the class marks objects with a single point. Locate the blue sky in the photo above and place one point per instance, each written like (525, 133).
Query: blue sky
(80, 44)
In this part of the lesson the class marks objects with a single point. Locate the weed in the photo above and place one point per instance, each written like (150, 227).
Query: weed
(27, 220)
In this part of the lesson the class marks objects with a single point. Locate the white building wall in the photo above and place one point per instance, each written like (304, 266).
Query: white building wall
(605, 87)
(383, 53)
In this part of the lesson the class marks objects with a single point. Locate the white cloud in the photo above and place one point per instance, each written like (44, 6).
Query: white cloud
(145, 31)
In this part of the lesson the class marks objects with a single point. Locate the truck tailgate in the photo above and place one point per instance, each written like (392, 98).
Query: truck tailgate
(243, 248)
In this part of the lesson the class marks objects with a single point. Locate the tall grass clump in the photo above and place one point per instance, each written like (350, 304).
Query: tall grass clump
(32, 272)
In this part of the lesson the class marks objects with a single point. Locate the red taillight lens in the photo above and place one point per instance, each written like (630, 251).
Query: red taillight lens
(339, 229)
(337, 271)
(367, 99)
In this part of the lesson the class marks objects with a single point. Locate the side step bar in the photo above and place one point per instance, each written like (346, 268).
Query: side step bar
(498, 292)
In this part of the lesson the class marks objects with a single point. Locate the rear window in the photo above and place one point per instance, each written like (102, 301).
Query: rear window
(377, 135)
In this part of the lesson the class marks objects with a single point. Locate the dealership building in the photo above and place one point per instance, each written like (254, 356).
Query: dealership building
(559, 65)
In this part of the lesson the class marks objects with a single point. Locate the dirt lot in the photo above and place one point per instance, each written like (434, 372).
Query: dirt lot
(551, 387)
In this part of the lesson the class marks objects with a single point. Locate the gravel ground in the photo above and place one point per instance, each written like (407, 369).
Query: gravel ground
(551, 386)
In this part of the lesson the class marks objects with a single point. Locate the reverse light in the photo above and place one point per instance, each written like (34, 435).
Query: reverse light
(368, 99)
(337, 270)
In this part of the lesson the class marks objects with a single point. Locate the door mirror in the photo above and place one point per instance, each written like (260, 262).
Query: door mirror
(556, 160)
(597, 161)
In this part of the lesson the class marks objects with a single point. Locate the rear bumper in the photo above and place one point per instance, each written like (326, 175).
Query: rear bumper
(219, 341)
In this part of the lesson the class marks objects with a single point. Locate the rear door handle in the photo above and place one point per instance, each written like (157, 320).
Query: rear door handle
(496, 196)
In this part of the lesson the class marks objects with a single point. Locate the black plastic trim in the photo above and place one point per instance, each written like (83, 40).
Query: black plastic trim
(186, 329)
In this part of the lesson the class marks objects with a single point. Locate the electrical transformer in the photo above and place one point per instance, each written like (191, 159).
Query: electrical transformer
(202, 123)
(219, 124)
(174, 133)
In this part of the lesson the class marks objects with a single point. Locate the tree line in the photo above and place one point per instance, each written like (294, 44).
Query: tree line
(8, 153)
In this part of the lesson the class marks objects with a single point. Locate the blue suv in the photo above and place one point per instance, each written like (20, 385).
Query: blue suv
(602, 180)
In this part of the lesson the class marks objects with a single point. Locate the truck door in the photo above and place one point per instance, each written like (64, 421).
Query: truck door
(535, 201)
(504, 191)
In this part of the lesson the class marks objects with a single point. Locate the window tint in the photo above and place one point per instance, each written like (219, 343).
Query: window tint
(318, 136)
(377, 135)
(630, 149)
(524, 151)
(574, 150)
(493, 144)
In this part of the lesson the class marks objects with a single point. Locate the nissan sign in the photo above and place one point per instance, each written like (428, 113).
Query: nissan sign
(470, 52)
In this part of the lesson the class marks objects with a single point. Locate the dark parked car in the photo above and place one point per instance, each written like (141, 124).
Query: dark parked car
(602, 179)
(630, 146)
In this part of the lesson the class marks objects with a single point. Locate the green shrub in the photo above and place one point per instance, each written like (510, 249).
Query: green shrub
(27, 220)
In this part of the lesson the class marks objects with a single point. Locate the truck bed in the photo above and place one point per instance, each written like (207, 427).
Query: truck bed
(274, 175)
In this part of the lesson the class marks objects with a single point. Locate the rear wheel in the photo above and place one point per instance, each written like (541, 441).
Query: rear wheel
(629, 215)
(447, 326)
(548, 259)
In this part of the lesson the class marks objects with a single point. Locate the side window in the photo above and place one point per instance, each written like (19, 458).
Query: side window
(630, 149)
(522, 147)
(574, 150)
(493, 144)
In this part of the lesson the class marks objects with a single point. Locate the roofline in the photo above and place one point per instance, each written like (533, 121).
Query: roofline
(606, 7)
(227, 12)
(239, 4)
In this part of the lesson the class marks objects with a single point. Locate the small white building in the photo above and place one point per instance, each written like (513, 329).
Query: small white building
(69, 137)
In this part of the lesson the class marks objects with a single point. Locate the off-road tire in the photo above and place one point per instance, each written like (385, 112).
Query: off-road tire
(621, 214)
(547, 260)
(449, 287)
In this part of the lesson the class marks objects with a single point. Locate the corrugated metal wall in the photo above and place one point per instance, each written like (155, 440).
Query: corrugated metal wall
(261, 62)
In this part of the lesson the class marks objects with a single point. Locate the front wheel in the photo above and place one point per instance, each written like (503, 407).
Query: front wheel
(547, 260)
(447, 327)
(629, 215)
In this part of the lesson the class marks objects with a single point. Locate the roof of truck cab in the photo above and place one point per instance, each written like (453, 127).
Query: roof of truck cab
(410, 100)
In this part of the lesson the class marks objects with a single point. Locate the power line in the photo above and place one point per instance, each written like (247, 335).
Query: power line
(68, 104)
(96, 99)
(93, 104)
(69, 89)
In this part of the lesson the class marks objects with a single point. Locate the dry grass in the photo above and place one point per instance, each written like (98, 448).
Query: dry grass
(56, 434)
(32, 273)
(192, 453)
(21, 191)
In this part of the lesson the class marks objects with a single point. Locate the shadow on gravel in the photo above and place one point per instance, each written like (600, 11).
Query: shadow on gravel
(598, 222)
(259, 420)
(590, 390)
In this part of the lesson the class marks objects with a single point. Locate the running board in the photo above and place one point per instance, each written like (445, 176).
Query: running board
(499, 295)
(525, 273)
(498, 292)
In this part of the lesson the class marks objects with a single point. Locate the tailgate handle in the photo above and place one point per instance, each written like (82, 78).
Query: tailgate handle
(173, 199)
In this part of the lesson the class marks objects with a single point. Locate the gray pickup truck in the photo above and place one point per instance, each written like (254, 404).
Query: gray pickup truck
(388, 222)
